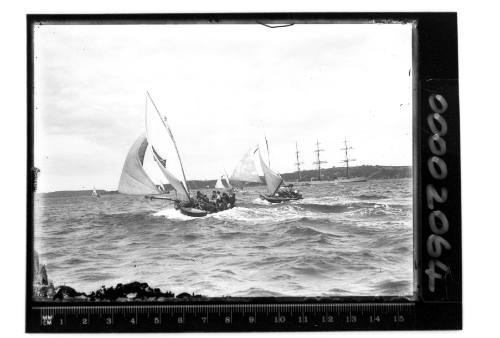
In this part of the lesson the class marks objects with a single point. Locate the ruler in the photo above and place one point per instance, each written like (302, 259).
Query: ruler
(223, 317)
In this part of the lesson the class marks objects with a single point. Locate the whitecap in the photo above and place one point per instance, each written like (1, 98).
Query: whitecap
(171, 213)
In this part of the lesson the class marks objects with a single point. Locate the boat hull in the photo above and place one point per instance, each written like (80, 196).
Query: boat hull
(196, 212)
(274, 199)
(192, 212)
(352, 180)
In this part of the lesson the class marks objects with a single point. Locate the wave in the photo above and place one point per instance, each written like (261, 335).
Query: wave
(232, 235)
(400, 287)
(302, 231)
(173, 214)
(280, 214)
(257, 292)
(327, 208)
(370, 197)
(261, 201)
(308, 271)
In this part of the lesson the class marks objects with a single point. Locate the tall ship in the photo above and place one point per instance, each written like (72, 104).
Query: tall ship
(297, 163)
(320, 178)
(347, 178)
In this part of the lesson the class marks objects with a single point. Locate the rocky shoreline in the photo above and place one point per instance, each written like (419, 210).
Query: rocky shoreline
(45, 291)
(130, 292)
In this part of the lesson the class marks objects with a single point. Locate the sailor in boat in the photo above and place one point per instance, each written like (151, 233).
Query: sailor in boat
(288, 192)
(217, 203)
(218, 200)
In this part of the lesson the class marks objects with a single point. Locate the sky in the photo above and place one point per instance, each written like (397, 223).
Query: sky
(222, 87)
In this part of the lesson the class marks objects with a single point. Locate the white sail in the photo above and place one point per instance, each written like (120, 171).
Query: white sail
(229, 185)
(219, 184)
(134, 180)
(151, 168)
(245, 170)
(165, 150)
(273, 180)
(181, 191)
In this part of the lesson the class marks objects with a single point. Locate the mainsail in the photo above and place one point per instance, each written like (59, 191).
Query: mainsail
(273, 180)
(134, 180)
(165, 151)
(245, 170)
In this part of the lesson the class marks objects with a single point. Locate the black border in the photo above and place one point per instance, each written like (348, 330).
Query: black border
(435, 69)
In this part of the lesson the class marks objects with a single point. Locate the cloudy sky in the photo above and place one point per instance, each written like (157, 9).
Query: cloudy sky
(221, 86)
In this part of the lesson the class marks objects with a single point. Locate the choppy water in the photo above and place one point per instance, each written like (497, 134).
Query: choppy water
(351, 239)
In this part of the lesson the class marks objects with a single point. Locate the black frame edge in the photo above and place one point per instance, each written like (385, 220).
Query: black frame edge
(437, 64)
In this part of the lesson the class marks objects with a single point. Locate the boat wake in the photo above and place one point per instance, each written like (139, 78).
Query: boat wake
(173, 214)
(264, 215)
(261, 201)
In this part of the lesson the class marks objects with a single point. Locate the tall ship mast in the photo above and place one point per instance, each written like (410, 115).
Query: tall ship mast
(318, 160)
(347, 159)
(348, 179)
(298, 163)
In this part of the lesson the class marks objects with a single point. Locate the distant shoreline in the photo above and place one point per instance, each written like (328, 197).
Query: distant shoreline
(327, 174)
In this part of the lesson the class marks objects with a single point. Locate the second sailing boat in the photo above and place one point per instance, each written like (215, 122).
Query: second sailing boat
(273, 180)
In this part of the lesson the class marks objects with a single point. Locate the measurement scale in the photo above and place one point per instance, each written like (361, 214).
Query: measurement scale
(224, 317)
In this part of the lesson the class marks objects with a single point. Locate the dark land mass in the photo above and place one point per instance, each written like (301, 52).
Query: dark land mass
(368, 171)
(327, 174)
(74, 193)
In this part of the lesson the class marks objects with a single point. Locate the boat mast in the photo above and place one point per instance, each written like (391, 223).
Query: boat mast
(267, 146)
(164, 121)
(298, 163)
(347, 159)
(318, 161)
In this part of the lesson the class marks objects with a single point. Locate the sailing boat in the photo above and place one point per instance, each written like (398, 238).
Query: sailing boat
(348, 179)
(245, 171)
(95, 193)
(167, 156)
(168, 159)
(223, 183)
(273, 183)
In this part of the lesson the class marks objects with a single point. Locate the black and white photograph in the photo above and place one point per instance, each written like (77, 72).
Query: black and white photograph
(179, 162)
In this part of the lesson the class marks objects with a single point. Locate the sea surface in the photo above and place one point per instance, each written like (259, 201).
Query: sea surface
(351, 239)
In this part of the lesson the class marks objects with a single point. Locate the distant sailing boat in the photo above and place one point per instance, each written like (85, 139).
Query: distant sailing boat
(348, 179)
(220, 182)
(273, 182)
(95, 193)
